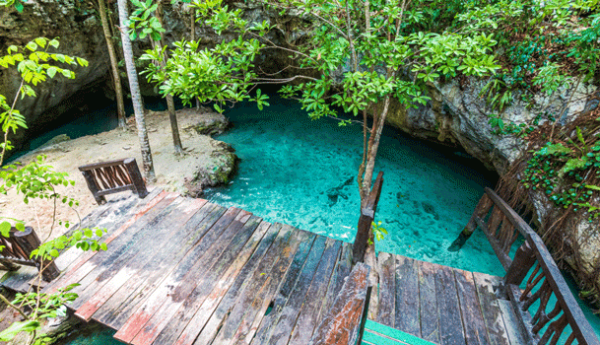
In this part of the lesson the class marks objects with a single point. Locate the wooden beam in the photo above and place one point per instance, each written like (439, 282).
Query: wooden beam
(342, 324)
(367, 215)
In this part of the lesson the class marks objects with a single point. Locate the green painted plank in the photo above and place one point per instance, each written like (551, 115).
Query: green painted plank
(378, 334)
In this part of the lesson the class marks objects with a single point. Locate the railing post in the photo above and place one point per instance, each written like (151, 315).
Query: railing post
(91, 182)
(524, 259)
(136, 177)
(28, 241)
(367, 215)
(482, 208)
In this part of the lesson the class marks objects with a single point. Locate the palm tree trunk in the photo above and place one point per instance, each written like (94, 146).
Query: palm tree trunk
(170, 102)
(136, 98)
(113, 64)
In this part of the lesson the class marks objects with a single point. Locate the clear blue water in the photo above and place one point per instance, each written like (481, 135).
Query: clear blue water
(302, 172)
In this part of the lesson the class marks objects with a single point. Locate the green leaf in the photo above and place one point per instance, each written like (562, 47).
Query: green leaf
(41, 42)
(5, 228)
(54, 43)
(19, 6)
(54, 253)
(20, 226)
(554, 149)
(32, 46)
(51, 71)
(574, 164)
(18, 327)
(82, 62)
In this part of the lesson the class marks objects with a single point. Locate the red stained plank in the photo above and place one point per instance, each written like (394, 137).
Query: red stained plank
(177, 288)
(125, 274)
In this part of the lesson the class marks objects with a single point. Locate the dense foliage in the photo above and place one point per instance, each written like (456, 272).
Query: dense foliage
(364, 54)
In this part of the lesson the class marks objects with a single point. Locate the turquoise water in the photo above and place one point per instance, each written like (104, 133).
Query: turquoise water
(102, 337)
(303, 172)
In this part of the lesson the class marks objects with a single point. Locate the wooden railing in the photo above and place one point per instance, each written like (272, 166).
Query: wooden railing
(551, 316)
(113, 177)
(17, 250)
(367, 215)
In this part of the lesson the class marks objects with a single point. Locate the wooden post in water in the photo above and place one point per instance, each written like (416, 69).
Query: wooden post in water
(482, 208)
(136, 177)
(29, 241)
(367, 215)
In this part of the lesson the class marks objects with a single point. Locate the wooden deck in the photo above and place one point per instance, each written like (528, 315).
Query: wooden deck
(441, 304)
(186, 271)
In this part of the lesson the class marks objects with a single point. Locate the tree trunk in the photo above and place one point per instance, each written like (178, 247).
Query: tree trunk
(136, 98)
(113, 63)
(374, 146)
(170, 102)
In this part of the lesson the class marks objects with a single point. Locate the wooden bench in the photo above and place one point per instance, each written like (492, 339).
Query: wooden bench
(17, 250)
(113, 177)
(534, 266)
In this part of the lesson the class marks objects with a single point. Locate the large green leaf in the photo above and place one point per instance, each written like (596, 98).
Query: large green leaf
(18, 327)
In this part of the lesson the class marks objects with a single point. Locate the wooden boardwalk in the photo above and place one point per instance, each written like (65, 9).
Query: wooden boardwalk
(186, 271)
(443, 305)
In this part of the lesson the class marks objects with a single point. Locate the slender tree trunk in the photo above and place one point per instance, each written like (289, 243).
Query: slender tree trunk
(372, 153)
(170, 102)
(135, 94)
(113, 64)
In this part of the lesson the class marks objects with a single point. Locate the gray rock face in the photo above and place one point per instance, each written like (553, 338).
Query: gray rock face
(79, 36)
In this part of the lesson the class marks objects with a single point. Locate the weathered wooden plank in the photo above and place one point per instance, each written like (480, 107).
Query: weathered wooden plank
(152, 262)
(407, 296)
(430, 316)
(89, 260)
(189, 321)
(109, 217)
(512, 323)
(311, 308)
(257, 294)
(488, 300)
(133, 250)
(387, 289)
(267, 325)
(175, 290)
(119, 308)
(244, 243)
(218, 305)
(289, 313)
(451, 327)
(472, 317)
(342, 324)
(343, 268)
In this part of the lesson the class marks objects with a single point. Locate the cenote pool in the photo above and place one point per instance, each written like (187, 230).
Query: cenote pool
(303, 172)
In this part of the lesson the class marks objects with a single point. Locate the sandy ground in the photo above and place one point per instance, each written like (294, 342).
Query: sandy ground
(171, 170)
